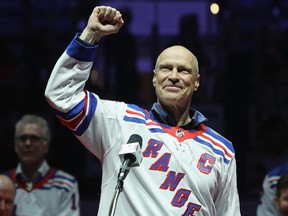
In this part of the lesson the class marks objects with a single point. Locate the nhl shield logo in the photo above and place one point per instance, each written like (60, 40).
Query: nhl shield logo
(180, 132)
(29, 186)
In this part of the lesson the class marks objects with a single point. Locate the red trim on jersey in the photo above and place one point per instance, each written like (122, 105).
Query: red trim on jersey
(187, 133)
(219, 145)
(39, 184)
(73, 123)
(132, 111)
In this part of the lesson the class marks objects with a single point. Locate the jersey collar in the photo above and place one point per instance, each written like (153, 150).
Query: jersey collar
(161, 115)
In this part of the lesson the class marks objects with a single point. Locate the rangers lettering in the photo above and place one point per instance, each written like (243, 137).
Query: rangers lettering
(162, 163)
(152, 148)
(180, 197)
(191, 208)
(172, 181)
(173, 178)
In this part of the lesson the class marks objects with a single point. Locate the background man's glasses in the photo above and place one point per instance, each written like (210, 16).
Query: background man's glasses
(32, 138)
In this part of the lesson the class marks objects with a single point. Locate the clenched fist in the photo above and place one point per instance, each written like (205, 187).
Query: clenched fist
(104, 20)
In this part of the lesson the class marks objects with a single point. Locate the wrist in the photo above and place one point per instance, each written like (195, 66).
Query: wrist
(89, 37)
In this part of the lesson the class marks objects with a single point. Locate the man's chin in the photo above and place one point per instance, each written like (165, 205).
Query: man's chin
(28, 160)
(171, 98)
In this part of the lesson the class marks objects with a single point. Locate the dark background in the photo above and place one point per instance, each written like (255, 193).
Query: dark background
(242, 53)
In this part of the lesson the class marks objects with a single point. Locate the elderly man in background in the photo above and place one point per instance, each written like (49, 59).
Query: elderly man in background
(7, 196)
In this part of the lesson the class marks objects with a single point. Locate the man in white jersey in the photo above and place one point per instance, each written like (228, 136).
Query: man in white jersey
(267, 205)
(187, 168)
(40, 189)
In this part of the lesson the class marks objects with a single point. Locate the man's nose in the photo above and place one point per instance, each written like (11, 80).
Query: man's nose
(174, 74)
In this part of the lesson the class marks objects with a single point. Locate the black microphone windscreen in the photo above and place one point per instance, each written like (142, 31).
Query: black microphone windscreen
(135, 138)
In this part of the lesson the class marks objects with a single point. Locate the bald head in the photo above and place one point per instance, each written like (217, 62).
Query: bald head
(7, 195)
(6, 183)
(181, 52)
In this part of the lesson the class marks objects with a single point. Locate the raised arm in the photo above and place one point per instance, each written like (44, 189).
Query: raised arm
(65, 87)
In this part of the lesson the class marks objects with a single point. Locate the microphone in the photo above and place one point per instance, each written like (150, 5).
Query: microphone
(131, 155)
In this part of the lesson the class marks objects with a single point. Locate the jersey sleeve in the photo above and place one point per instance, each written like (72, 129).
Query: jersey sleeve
(90, 119)
(227, 199)
(65, 86)
(70, 202)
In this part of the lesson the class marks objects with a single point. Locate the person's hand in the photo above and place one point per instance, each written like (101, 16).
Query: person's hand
(104, 20)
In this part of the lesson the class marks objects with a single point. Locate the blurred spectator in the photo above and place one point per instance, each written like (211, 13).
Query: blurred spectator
(267, 205)
(281, 198)
(40, 189)
(7, 196)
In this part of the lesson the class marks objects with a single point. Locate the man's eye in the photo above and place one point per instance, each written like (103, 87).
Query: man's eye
(185, 72)
(165, 69)
(9, 202)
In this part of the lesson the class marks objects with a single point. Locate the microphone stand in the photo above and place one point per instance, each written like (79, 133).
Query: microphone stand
(124, 170)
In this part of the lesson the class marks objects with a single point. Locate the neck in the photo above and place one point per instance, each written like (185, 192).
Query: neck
(179, 114)
(30, 170)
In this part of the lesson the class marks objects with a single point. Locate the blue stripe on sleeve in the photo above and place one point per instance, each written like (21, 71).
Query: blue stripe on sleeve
(216, 151)
(81, 51)
(222, 139)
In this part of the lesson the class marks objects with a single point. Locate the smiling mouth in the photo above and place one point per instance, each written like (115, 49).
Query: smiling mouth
(27, 153)
(172, 88)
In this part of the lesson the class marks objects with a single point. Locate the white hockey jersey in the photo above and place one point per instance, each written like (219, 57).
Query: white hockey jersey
(184, 171)
(54, 193)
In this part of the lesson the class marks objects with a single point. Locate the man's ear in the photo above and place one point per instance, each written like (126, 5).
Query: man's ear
(154, 78)
(197, 82)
